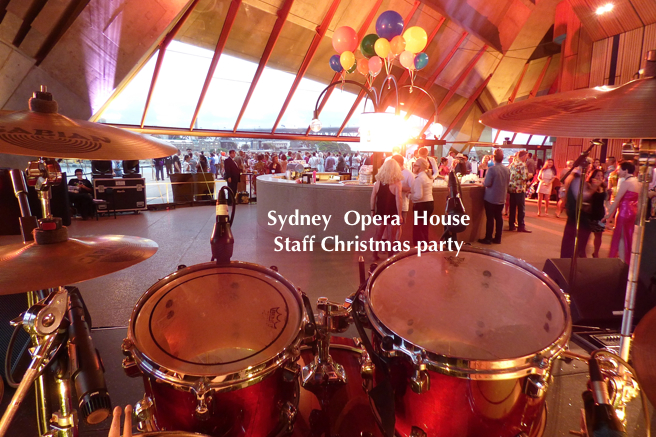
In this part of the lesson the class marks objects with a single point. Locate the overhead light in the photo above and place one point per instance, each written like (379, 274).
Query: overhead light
(603, 9)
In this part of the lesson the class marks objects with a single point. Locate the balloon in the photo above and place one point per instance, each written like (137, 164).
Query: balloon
(397, 45)
(367, 45)
(353, 67)
(415, 39)
(382, 47)
(334, 64)
(421, 60)
(407, 60)
(375, 64)
(363, 66)
(389, 25)
(347, 59)
(345, 40)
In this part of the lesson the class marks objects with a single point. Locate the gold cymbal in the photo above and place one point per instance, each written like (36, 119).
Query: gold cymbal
(53, 135)
(25, 267)
(626, 111)
(644, 354)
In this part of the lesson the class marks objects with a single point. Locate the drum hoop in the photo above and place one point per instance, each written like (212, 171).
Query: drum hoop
(229, 381)
(511, 368)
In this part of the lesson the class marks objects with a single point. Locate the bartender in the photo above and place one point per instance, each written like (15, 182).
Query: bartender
(80, 194)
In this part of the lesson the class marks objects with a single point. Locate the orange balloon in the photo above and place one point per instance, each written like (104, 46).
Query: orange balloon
(397, 45)
(363, 66)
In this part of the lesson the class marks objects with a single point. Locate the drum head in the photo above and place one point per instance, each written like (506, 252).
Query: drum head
(216, 320)
(474, 306)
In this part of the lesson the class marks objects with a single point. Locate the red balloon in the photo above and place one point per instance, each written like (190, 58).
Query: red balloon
(375, 65)
(345, 40)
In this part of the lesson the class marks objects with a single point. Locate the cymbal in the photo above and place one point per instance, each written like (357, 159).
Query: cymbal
(644, 354)
(625, 111)
(53, 135)
(25, 267)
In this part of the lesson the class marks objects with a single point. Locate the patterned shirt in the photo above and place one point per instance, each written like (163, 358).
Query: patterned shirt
(518, 176)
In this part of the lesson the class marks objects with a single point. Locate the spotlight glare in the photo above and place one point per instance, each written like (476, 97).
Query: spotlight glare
(603, 9)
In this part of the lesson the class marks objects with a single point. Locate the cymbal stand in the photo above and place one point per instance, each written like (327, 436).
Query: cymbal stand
(646, 154)
(27, 221)
(42, 321)
(43, 174)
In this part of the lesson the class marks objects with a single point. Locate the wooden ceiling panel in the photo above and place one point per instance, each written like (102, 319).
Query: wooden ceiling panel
(646, 9)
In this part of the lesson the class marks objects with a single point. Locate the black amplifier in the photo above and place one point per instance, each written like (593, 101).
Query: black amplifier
(123, 194)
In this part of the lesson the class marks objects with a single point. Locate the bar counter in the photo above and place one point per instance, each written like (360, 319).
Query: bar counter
(336, 199)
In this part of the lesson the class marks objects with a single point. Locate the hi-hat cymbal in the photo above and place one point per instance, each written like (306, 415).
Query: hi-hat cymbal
(25, 267)
(53, 135)
(627, 111)
(644, 354)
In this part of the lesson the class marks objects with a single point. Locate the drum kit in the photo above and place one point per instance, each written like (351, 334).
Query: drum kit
(234, 349)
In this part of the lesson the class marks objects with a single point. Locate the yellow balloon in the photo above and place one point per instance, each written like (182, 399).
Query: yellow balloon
(415, 39)
(347, 59)
(382, 47)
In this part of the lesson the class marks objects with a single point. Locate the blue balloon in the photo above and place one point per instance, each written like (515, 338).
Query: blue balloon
(335, 64)
(421, 60)
(389, 25)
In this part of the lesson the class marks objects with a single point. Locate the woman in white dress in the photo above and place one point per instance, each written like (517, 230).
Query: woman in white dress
(546, 178)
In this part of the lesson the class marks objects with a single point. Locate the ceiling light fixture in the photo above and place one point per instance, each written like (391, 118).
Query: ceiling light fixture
(603, 9)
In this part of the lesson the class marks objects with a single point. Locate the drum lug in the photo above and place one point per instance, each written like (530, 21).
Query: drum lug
(415, 431)
(143, 411)
(420, 381)
(126, 347)
(203, 400)
(130, 367)
(367, 370)
(290, 372)
(535, 386)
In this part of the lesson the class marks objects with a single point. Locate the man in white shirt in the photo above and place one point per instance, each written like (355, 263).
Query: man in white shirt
(396, 150)
(451, 158)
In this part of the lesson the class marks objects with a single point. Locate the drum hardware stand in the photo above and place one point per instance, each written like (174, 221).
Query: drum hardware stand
(28, 222)
(41, 321)
(323, 372)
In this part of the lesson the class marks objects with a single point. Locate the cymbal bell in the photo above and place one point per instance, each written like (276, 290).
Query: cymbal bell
(26, 267)
(626, 111)
(42, 131)
(644, 354)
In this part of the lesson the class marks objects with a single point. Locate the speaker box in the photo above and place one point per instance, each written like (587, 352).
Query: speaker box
(599, 290)
(11, 306)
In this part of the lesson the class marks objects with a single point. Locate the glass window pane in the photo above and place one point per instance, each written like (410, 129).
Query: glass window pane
(521, 139)
(274, 85)
(236, 69)
(127, 107)
(179, 85)
(536, 140)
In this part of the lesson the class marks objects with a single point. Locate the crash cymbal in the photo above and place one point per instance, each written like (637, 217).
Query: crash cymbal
(627, 111)
(25, 267)
(44, 132)
(644, 354)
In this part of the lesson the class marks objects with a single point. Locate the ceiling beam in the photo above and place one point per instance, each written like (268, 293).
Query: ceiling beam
(361, 93)
(32, 12)
(160, 56)
(468, 105)
(361, 34)
(66, 20)
(538, 83)
(283, 13)
(452, 90)
(433, 77)
(220, 45)
(514, 94)
(314, 45)
(230, 134)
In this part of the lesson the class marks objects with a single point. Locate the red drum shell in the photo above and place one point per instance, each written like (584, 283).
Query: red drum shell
(349, 412)
(253, 411)
(457, 407)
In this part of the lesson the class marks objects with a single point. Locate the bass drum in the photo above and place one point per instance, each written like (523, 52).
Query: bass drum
(217, 346)
(470, 341)
(347, 412)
